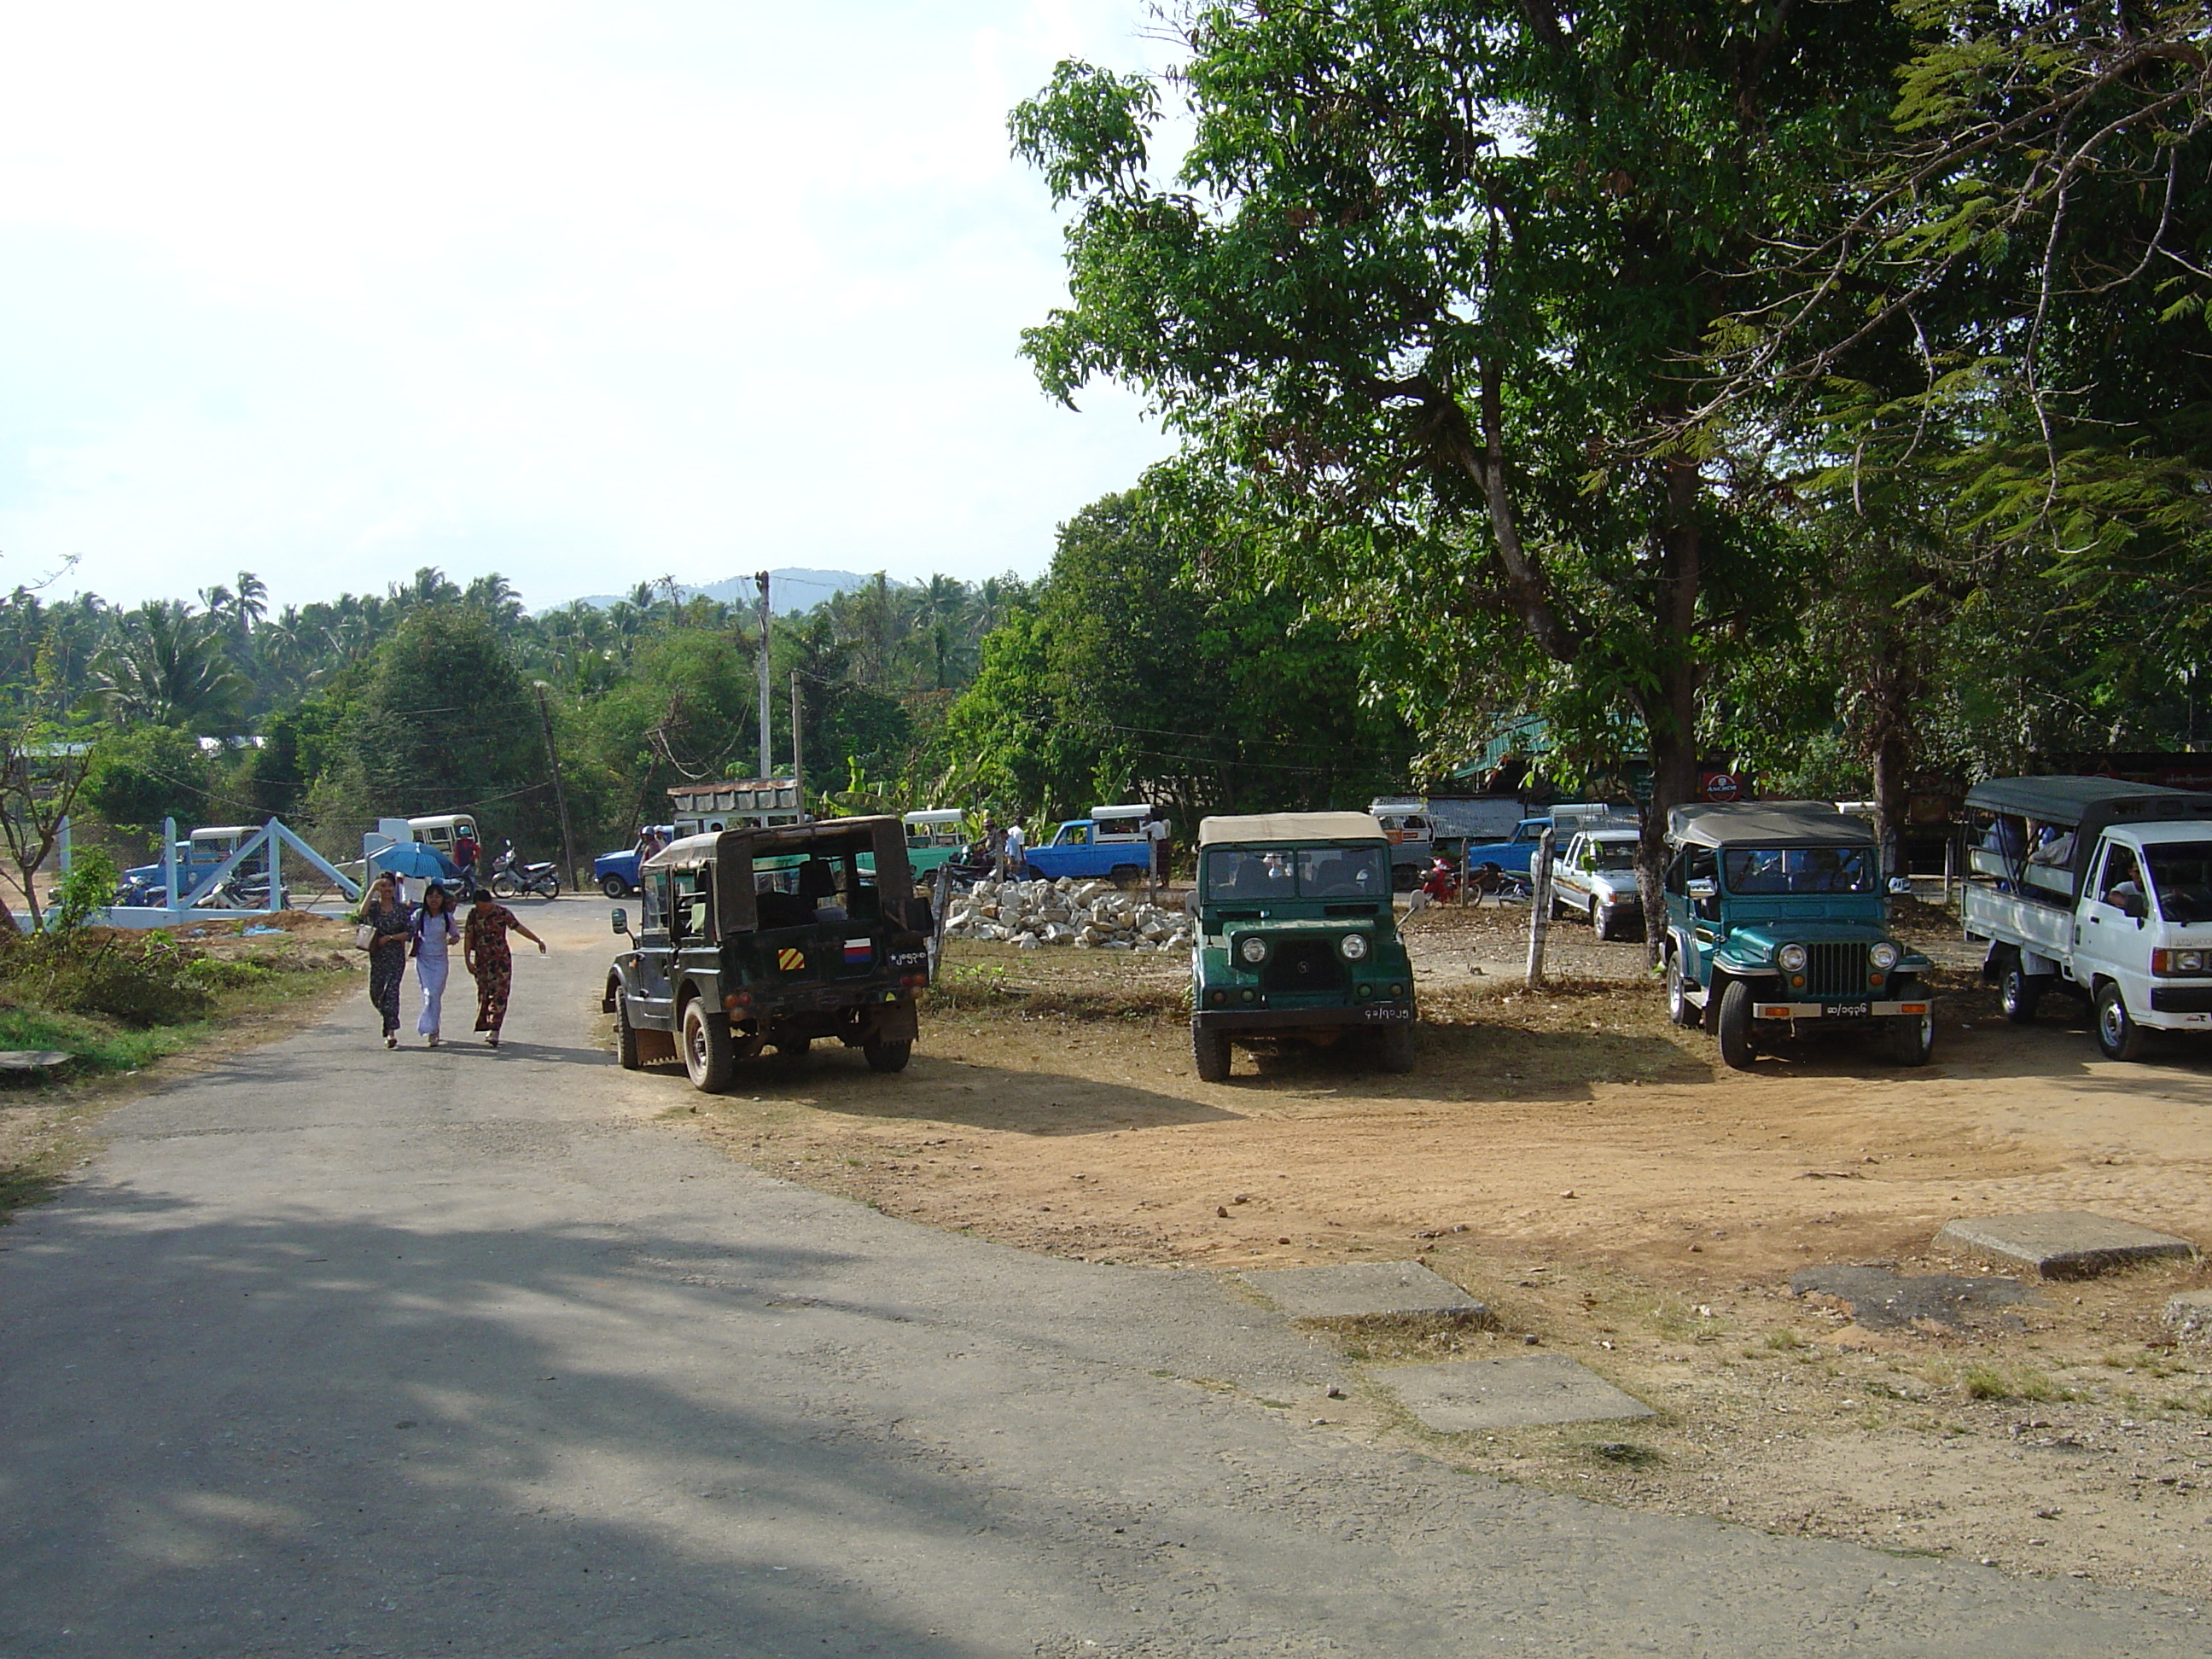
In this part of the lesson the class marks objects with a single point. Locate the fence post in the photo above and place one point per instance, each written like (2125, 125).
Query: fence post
(1540, 908)
(173, 898)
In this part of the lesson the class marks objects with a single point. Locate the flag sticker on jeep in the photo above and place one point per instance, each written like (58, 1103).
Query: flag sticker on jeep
(858, 950)
(790, 960)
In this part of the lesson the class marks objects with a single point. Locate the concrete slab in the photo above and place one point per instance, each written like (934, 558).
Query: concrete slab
(1881, 1301)
(2062, 1243)
(1366, 1290)
(33, 1060)
(2190, 1313)
(1510, 1393)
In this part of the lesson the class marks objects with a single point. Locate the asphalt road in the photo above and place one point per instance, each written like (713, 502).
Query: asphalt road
(336, 1350)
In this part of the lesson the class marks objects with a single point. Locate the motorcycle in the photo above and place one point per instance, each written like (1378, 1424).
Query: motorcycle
(511, 879)
(1442, 884)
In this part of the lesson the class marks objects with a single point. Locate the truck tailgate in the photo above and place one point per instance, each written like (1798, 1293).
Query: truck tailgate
(2044, 928)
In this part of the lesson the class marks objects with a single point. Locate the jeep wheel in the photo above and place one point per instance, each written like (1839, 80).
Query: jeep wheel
(2117, 1034)
(625, 1033)
(706, 1057)
(1737, 1049)
(1912, 1037)
(888, 1056)
(2019, 991)
(1209, 1052)
(1678, 999)
(1397, 1048)
(615, 887)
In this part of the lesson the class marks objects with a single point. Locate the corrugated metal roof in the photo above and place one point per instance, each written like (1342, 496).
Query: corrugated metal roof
(1292, 826)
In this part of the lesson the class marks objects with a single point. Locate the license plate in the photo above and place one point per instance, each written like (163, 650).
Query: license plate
(1847, 1010)
(1387, 1013)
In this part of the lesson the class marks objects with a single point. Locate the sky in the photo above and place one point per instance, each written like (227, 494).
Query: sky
(584, 293)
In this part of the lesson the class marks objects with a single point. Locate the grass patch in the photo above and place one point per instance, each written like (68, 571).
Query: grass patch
(1784, 1340)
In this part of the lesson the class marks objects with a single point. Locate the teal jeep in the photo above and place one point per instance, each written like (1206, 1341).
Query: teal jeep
(1296, 938)
(1777, 927)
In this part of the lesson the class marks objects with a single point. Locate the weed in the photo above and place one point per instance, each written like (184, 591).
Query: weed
(1626, 1454)
(1784, 1340)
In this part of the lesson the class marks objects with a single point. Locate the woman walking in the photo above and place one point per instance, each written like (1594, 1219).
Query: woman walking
(485, 951)
(435, 930)
(391, 926)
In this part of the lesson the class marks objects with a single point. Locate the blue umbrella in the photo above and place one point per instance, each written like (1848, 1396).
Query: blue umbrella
(414, 858)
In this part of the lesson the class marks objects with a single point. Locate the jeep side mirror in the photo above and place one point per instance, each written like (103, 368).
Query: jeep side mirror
(1703, 889)
(622, 921)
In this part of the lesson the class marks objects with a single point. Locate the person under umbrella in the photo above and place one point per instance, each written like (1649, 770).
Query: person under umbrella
(435, 933)
(491, 959)
(390, 926)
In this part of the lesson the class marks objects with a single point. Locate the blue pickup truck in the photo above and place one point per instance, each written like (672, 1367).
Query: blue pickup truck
(1110, 844)
(616, 873)
(1516, 855)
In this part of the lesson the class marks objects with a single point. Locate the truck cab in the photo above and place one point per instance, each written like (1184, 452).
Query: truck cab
(1777, 927)
(1112, 843)
(1512, 857)
(1296, 938)
(772, 938)
(2100, 887)
(1595, 880)
(618, 872)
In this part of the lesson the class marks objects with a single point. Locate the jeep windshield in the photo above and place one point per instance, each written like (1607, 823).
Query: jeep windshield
(2181, 875)
(1241, 875)
(1760, 872)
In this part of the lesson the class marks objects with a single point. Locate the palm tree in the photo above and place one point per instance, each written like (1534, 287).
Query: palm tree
(167, 667)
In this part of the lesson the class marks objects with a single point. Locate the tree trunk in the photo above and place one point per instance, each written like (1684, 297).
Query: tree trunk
(1670, 712)
(1889, 746)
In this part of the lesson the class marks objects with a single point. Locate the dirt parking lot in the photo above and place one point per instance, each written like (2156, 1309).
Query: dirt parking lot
(1611, 1193)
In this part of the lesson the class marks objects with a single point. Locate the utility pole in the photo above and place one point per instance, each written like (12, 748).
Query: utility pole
(765, 687)
(560, 795)
(798, 754)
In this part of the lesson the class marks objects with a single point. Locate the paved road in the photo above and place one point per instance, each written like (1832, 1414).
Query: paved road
(343, 1352)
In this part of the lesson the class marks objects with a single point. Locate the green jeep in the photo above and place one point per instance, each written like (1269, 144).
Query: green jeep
(1777, 927)
(1296, 938)
(770, 938)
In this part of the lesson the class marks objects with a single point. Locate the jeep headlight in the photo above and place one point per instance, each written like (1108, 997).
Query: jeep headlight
(1883, 957)
(1354, 946)
(1792, 958)
(1252, 949)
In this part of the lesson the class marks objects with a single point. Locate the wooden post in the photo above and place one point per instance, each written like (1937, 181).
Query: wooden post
(1540, 908)
(1950, 864)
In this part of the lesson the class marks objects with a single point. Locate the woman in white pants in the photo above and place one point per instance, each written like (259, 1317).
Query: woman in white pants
(435, 930)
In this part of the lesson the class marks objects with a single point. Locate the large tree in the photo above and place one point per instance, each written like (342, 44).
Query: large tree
(1432, 282)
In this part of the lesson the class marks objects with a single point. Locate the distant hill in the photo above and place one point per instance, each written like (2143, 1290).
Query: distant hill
(789, 589)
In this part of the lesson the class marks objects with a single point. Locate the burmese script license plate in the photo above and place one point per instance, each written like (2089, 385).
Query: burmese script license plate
(1848, 1011)
(1387, 1013)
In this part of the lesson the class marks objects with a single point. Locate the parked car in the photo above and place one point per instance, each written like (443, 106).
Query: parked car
(934, 836)
(756, 938)
(1110, 843)
(1777, 927)
(198, 856)
(1296, 938)
(2099, 888)
(1510, 857)
(1595, 880)
(617, 872)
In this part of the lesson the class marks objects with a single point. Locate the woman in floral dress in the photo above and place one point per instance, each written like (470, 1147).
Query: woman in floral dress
(392, 929)
(485, 952)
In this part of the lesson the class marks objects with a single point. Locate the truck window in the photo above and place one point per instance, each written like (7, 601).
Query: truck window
(691, 906)
(2122, 881)
(1075, 835)
(2181, 880)
(1765, 871)
(1612, 854)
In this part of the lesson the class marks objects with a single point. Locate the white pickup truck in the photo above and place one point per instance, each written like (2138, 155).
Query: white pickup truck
(2099, 887)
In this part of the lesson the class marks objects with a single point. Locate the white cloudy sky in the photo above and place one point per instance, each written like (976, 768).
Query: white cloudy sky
(582, 293)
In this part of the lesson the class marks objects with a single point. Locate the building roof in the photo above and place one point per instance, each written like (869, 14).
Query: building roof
(1768, 823)
(1292, 826)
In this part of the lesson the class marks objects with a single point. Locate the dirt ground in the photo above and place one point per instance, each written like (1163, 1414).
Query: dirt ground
(1595, 1176)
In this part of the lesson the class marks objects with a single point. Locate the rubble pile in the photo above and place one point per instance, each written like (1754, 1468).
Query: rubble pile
(1091, 915)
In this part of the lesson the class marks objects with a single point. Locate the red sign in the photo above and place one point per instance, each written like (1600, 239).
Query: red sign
(1723, 786)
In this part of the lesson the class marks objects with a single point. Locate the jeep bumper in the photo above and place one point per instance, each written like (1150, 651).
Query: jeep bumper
(1828, 1011)
(1377, 1014)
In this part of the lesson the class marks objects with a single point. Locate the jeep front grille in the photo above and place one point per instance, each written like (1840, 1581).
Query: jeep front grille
(1836, 970)
(1304, 967)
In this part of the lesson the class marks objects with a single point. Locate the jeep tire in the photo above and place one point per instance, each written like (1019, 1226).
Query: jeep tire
(1912, 1037)
(1733, 1029)
(888, 1054)
(1209, 1052)
(2119, 1036)
(1394, 1047)
(1679, 1008)
(705, 1038)
(625, 1033)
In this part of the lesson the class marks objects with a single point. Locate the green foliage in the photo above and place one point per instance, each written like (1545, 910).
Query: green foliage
(142, 774)
(89, 885)
(168, 667)
(1136, 675)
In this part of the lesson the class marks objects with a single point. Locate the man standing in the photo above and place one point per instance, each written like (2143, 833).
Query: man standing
(1017, 852)
(1156, 831)
(994, 845)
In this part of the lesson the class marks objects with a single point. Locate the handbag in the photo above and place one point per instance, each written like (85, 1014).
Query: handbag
(363, 937)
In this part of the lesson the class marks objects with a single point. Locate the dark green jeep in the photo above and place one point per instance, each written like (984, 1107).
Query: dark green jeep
(1296, 938)
(1777, 927)
(771, 937)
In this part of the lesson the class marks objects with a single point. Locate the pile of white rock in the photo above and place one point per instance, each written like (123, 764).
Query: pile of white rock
(1091, 915)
